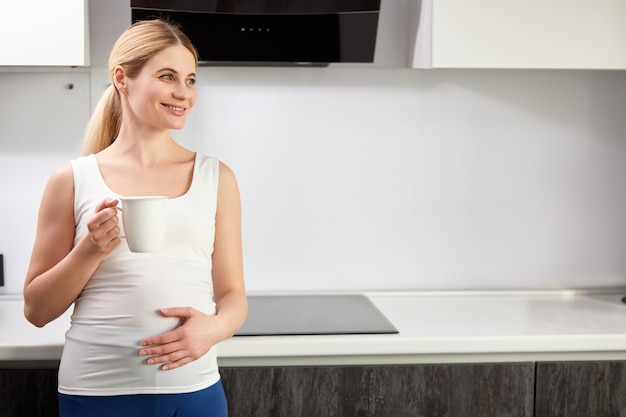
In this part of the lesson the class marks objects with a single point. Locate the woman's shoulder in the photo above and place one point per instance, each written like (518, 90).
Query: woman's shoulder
(225, 170)
(62, 175)
(218, 164)
(203, 157)
(59, 191)
(213, 163)
(219, 169)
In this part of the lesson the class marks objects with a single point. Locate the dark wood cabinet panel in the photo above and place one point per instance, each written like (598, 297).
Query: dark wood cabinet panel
(581, 389)
(557, 389)
(28, 393)
(502, 390)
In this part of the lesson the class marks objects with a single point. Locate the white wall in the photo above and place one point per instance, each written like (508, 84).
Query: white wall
(401, 179)
(376, 178)
(385, 179)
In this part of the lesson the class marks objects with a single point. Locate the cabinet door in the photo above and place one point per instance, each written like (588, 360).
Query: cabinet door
(47, 113)
(480, 390)
(44, 33)
(28, 393)
(525, 33)
(581, 389)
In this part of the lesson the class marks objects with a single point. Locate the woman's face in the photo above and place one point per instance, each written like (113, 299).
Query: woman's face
(161, 96)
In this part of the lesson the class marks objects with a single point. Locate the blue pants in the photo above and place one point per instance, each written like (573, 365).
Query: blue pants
(209, 402)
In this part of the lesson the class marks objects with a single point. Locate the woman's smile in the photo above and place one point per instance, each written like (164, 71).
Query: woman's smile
(176, 110)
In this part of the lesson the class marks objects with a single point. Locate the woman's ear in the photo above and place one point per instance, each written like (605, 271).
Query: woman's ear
(119, 79)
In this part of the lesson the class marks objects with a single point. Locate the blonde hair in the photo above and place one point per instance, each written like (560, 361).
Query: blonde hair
(140, 42)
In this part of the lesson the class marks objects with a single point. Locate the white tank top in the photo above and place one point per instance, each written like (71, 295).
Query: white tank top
(119, 305)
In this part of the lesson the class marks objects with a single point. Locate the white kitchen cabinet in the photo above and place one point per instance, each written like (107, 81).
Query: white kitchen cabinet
(49, 111)
(552, 34)
(44, 33)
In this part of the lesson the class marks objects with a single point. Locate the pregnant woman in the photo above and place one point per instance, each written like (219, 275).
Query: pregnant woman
(145, 325)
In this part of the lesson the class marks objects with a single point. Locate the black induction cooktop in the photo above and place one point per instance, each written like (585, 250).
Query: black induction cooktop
(313, 315)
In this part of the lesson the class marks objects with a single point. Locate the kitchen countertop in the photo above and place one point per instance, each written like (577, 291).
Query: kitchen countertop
(434, 327)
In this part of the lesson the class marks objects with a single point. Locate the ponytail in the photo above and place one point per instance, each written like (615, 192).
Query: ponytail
(104, 125)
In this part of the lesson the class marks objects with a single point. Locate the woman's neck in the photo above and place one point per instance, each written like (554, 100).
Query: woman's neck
(147, 151)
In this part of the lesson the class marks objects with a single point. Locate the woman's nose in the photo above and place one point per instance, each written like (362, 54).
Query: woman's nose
(182, 90)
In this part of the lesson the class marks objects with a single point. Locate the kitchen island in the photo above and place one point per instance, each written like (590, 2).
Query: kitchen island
(517, 353)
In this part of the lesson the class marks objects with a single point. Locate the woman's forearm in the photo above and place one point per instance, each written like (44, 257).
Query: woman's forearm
(51, 293)
(232, 308)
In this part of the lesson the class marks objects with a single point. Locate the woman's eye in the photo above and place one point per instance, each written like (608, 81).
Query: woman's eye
(191, 81)
(167, 77)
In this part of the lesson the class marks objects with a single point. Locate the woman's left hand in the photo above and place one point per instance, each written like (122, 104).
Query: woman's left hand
(196, 334)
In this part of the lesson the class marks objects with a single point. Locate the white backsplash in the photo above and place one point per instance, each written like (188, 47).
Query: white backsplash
(386, 179)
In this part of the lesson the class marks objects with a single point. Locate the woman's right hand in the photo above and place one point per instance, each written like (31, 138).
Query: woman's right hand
(104, 231)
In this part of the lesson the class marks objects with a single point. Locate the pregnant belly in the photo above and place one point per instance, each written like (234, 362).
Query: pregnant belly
(137, 308)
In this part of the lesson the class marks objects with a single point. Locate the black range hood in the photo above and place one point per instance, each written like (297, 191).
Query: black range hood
(272, 32)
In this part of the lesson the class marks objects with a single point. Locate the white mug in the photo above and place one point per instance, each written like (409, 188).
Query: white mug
(144, 220)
